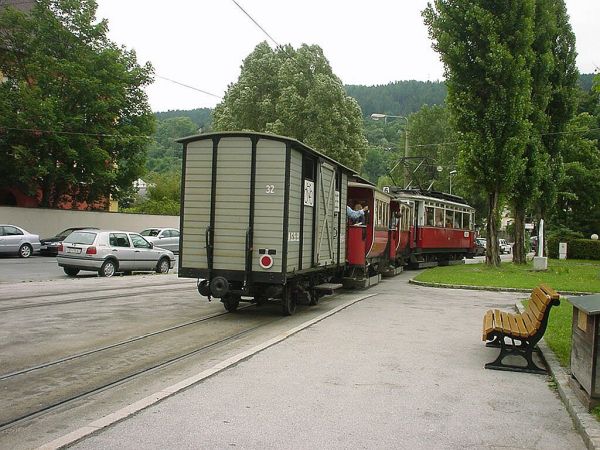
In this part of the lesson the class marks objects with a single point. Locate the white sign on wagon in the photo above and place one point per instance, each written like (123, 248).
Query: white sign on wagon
(309, 193)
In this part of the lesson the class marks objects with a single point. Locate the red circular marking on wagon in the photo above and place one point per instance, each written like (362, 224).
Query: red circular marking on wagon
(266, 261)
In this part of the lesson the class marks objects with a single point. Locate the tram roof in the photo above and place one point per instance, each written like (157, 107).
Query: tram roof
(273, 137)
(429, 195)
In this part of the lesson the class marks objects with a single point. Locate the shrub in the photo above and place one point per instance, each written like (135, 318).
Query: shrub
(576, 248)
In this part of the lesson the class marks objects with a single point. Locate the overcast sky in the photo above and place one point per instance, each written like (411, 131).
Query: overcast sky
(202, 43)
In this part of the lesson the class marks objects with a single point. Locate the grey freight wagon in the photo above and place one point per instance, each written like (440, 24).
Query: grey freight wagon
(262, 217)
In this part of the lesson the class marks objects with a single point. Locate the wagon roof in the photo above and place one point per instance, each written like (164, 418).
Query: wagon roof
(274, 137)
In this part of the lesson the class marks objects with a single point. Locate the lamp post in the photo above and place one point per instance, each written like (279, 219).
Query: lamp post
(451, 174)
(377, 116)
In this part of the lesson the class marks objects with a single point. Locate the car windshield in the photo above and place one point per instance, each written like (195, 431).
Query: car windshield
(81, 237)
(150, 232)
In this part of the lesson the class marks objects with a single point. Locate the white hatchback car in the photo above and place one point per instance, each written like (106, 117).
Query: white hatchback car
(163, 237)
(108, 252)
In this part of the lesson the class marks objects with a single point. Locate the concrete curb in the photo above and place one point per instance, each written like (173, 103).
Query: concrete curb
(123, 413)
(487, 288)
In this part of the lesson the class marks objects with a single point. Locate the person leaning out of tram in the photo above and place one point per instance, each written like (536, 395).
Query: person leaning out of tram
(356, 216)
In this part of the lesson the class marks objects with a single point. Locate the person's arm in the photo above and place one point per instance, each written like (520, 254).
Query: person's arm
(354, 215)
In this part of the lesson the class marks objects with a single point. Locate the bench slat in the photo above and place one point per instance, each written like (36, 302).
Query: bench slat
(540, 299)
(488, 324)
(535, 312)
(549, 291)
(522, 325)
(532, 322)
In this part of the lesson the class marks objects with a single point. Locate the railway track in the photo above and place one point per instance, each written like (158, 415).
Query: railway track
(82, 296)
(39, 389)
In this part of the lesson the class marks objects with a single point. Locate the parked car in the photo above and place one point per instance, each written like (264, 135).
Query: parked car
(163, 237)
(505, 247)
(50, 245)
(15, 240)
(110, 251)
(480, 246)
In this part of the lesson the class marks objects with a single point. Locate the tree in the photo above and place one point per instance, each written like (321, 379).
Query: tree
(579, 192)
(74, 118)
(561, 107)
(486, 48)
(535, 158)
(164, 193)
(164, 153)
(295, 93)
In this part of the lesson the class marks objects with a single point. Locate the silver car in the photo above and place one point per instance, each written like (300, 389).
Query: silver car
(163, 237)
(17, 241)
(108, 252)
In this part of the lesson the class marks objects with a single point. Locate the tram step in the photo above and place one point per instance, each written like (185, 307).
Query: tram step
(328, 288)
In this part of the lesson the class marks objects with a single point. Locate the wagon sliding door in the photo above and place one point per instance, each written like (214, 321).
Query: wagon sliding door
(326, 246)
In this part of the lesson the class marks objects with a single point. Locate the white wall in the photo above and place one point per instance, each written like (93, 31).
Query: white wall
(48, 222)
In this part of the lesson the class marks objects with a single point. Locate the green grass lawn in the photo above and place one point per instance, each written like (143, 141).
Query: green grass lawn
(562, 275)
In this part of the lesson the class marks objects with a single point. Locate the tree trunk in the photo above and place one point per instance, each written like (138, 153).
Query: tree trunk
(492, 254)
(519, 254)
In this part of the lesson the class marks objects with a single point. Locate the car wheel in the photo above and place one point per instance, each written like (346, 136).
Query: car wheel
(25, 251)
(108, 269)
(71, 271)
(163, 265)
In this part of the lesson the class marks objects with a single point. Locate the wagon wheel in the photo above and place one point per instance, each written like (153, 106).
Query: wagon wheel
(313, 297)
(231, 302)
(288, 300)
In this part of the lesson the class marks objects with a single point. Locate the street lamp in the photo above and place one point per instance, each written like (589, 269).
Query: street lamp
(451, 174)
(377, 116)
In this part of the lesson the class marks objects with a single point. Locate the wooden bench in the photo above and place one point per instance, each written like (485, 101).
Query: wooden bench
(527, 328)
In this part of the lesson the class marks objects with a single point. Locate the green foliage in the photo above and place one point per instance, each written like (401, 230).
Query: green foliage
(164, 194)
(486, 48)
(164, 153)
(295, 93)
(73, 114)
(399, 98)
(576, 248)
(579, 190)
(202, 117)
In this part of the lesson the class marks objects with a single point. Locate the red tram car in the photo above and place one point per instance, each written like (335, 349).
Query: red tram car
(411, 228)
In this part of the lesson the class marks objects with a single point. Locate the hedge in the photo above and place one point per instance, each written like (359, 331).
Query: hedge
(576, 248)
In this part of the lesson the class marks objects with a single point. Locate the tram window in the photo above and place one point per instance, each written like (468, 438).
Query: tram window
(439, 217)
(429, 216)
(449, 218)
(467, 221)
(457, 219)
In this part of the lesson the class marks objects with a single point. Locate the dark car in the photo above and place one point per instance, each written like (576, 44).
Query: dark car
(50, 245)
(480, 246)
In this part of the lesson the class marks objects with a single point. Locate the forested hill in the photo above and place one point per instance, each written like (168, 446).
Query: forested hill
(200, 116)
(398, 98)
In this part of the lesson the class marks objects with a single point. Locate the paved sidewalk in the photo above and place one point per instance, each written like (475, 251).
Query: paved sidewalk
(401, 369)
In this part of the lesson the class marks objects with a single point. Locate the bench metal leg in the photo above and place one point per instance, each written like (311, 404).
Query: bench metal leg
(525, 350)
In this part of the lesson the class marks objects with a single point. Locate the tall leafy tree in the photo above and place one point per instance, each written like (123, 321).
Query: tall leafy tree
(535, 157)
(295, 93)
(486, 48)
(73, 114)
(561, 108)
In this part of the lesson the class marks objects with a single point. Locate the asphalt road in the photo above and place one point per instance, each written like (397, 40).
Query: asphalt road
(42, 268)
(38, 268)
